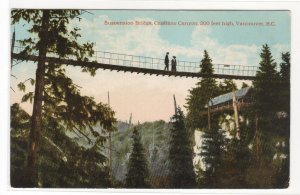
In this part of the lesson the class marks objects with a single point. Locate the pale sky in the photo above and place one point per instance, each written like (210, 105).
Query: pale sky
(147, 97)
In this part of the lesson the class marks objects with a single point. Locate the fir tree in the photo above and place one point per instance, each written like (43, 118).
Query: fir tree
(213, 153)
(269, 130)
(206, 65)
(18, 144)
(199, 96)
(180, 154)
(284, 167)
(137, 169)
(235, 161)
(214, 140)
(265, 104)
(285, 66)
(266, 84)
(285, 82)
(227, 86)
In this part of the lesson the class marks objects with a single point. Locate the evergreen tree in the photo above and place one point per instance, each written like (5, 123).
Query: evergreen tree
(284, 122)
(18, 144)
(265, 104)
(137, 169)
(180, 154)
(285, 66)
(214, 139)
(213, 152)
(285, 82)
(266, 84)
(199, 96)
(227, 86)
(205, 89)
(235, 161)
(61, 97)
(62, 161)
(267, 108)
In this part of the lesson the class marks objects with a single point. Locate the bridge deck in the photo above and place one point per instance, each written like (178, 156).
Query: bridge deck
(132, 69)
(146, 65)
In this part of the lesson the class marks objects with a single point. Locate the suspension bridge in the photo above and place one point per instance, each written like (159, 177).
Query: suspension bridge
(145, 65)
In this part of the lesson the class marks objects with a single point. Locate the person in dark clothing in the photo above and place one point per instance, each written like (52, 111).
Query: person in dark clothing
(173, 63)
(167, 61)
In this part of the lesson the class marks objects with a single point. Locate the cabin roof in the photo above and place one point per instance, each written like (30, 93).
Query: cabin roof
(228, 96)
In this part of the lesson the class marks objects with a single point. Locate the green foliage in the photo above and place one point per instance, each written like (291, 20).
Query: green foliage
(206, 65)
(137, 170)
(205, 89)
(265, 85)
(213, 152)
(63, 105)
(77, 112)
(27, 96)
(19, 130)
(266, 104)
(201, 94)
(271, 100)
(20, 119)
(227, 86)
(285, 66)
(62, 163)
(22, 86)
(264, 132)
(284, 122)
(155, 138)
(215, 142)
(62, 97)
(61, 41)
(235, 164)
(32, 81)
(182, 173)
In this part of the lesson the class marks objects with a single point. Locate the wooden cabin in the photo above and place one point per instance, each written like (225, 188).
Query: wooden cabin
(225, 101)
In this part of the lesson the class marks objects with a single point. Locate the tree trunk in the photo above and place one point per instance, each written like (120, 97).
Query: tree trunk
(236, 116)
(36, 118)
(208, 115)
(110, 160)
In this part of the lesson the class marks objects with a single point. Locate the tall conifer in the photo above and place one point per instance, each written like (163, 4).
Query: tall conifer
(213, 153)
(266, 104)
(180, 154)
(137, 169)
(199, 96)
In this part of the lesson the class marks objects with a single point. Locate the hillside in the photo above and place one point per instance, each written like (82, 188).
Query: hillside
(155, 138)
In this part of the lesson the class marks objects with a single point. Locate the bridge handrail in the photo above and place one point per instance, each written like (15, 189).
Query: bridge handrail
(158, 63)
(178, 61)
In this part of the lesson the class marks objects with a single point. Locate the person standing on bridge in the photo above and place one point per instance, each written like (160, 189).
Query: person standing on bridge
(174, 64)
(167, 61)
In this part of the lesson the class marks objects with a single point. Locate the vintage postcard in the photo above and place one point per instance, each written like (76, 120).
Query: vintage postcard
(150, 99)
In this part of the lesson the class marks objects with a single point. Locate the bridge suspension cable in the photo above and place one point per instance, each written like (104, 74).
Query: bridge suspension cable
(146, 65)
